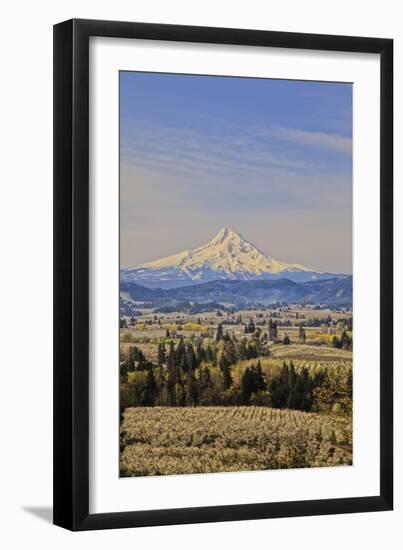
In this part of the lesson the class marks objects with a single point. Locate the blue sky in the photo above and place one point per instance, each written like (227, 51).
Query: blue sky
(270, 158)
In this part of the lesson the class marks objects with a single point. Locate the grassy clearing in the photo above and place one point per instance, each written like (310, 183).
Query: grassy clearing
(308, 352)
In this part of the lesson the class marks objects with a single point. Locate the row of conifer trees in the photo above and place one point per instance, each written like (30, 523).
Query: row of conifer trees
(185, 376)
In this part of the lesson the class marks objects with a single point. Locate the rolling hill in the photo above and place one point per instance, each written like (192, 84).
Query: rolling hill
(334, 292)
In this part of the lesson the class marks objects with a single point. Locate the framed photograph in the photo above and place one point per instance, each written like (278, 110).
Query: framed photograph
(223, 322)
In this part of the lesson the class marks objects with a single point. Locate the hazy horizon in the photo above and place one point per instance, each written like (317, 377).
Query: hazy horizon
(271, 159)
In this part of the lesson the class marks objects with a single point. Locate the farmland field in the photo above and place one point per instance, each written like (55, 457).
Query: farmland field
(252, 389)
(172, 440)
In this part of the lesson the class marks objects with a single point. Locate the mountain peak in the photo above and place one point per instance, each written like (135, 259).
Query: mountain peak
(226, 234)
(226, 256)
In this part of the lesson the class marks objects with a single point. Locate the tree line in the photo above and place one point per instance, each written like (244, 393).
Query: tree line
(203, 376)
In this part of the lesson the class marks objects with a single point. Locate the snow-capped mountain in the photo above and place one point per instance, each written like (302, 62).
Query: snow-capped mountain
(227, 256)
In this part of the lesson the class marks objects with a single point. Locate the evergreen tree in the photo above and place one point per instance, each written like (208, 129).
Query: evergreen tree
(180, 351)
(130, 363)
(191, 357)
(256, 342)
(180, 395)
(172, 375)
(150, 389)
(251, 326)
(220, 333)
(272, 329)
(279, 387)
(209, 355)
(243, 351)
(161, 354)
(306, 390)
(137, 359)
(223, 362)
(259, 383)
(205, 378)
(171, 354)
(200, 354)
(345, 340)
(293, 398)
(160, 387)
(230, 351)
(251, 351)
(336, 342)
(205, 387)
(183, 363)
(227, 378)
(191, 389)
(123, 371)
(246, 386)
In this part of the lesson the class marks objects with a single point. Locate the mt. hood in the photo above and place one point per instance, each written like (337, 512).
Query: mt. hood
(227, 256)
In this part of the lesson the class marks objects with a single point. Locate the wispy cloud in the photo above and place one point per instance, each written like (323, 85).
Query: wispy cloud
(320, 140)
(255, 151)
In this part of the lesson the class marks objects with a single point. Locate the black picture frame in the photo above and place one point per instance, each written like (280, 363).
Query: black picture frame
(71, 274)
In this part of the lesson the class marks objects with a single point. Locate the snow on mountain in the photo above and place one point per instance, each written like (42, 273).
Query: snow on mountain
(227, 256)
